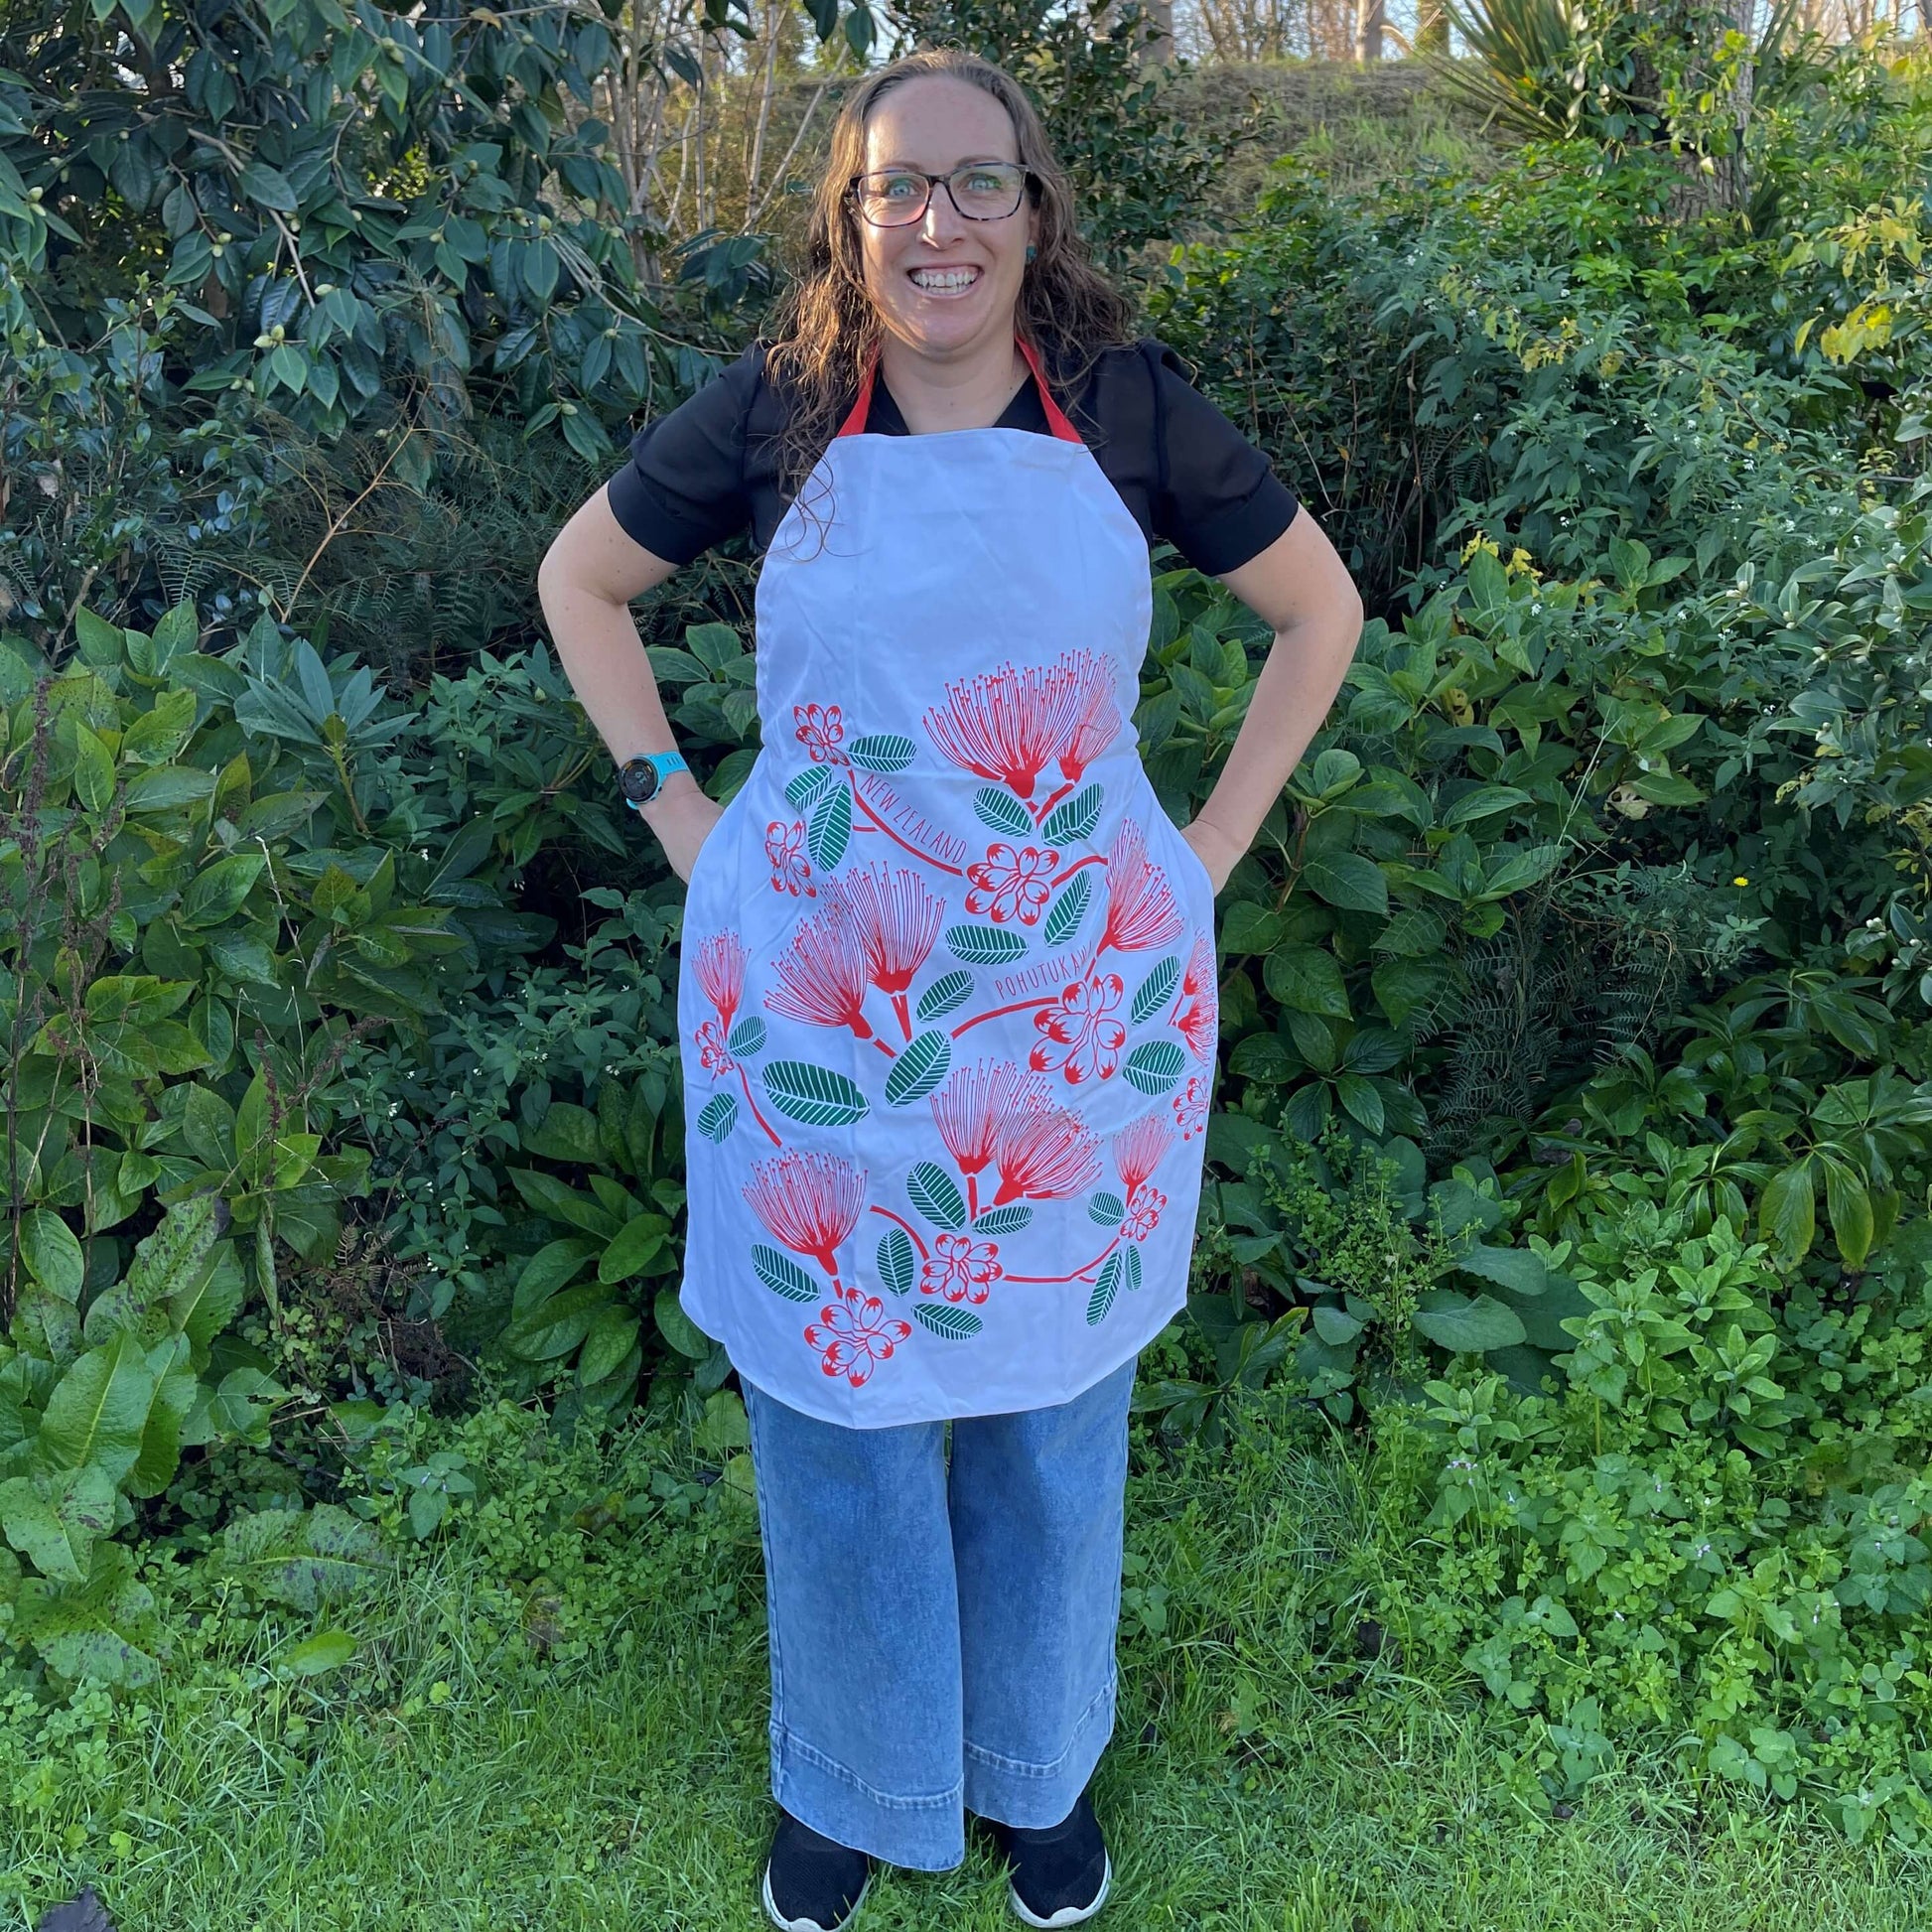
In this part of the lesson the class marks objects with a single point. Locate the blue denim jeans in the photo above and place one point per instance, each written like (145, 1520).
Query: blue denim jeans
(942, 1639)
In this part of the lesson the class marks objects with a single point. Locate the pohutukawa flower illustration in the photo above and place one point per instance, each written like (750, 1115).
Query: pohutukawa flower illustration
(809, 1202)
(1044, 1152)
(823, 974)
(1191, 1107)
(896, 920)
(1006, 725)
(1082, 1036)
(972, 1104)
(856, 1334)
(713, 1055)
(1006, 882)
(791, 870)
(821, 730)
(1096, 722)
(1145, 1215)
(1138, 1147)
(1141, 911)
(720, 967)
(960, 1268)
(1199, 1018)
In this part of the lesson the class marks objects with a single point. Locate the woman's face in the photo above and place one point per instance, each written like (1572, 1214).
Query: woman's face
(944, 286)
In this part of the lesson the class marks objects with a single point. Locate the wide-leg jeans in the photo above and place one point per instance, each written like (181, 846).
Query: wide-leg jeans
(942, 1638)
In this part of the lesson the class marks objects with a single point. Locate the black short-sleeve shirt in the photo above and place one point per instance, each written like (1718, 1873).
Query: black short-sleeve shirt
(708, 468)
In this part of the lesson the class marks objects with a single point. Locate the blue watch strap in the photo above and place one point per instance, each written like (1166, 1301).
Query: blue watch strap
(664, 763)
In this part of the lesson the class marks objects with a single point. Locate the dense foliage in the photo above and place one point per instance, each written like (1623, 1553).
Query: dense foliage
(1572, 1134)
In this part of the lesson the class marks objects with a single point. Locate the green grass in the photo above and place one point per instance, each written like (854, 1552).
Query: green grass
(458, 1776)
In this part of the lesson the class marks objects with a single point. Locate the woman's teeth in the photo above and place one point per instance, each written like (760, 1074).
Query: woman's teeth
(945, 278)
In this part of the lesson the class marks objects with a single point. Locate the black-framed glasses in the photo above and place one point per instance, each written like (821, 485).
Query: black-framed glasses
(982, 191)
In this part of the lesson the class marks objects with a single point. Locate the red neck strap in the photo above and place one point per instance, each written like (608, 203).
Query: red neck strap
(1056, 421)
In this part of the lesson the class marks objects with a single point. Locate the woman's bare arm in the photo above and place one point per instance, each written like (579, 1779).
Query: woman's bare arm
(584, 584)
(1303, 590)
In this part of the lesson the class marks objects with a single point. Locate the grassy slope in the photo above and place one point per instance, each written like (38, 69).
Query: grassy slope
(452, 1780)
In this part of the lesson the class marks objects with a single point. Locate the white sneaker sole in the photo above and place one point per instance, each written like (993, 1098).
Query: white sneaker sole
(784, 1924)
(1067, 1914)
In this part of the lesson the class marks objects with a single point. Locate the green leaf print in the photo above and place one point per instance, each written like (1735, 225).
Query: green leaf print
(1069, 823)
(942, 1319)
(1130, 1269)
(782, 1274)
(1154, 991)
(919, 1069)
(1004, 1220)
(1104, 1290)
(936, 1196)
(1069, 909)
(718, 1117)
(808, 786)
(1154, 1065)
(748, 1036)
(828, 828)
(1107, 1209)
(897, 1262)
(943, 995)
(814, 1095)
(983, 945)
(1001, 811)
(882, 751)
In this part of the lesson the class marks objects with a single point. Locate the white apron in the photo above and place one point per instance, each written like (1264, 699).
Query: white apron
(946, 992)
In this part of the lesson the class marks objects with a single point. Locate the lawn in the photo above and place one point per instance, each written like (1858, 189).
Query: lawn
(484, 1762)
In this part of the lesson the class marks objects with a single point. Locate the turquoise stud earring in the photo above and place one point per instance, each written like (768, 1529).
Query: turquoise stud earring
(1031, 251)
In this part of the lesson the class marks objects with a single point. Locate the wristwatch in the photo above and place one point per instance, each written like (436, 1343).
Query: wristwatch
(640, 778)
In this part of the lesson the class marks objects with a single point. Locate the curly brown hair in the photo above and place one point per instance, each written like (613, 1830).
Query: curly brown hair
(828, 329)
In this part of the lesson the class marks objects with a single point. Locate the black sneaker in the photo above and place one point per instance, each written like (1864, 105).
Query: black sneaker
(812, 1884)
(1060, 1874)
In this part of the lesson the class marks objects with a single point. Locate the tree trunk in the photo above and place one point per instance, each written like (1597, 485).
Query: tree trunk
(1157, 50)
(1431, 26)
(1368, 30)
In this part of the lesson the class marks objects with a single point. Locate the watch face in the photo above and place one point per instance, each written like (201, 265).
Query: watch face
(637, 781)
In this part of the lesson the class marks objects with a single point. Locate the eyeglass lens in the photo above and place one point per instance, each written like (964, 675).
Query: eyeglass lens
(982, 191)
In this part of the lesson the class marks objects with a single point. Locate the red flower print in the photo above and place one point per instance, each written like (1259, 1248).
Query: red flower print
(719, 966)
(1141, 911)
(1082, 1036)
(1096, 722)
(960, 1268)
(791, 870)
(809, 1202)
(1199, 1018)
(1144, 1214)
(823, 972)
(1044, 1152)
(1006, 882)
(713, 1055)
(821, 730)
(972, 1105)
(1191, 1107)
(896, 920)
(856, 1334)
(1006, 725)
(1139, 1149)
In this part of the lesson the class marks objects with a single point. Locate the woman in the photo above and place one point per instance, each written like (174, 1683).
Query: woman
(947, 990)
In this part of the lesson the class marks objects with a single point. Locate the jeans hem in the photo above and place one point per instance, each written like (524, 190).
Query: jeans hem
(1033, 1795)
(923, 1834)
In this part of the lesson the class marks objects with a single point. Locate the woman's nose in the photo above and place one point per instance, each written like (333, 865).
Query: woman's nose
(943, 221)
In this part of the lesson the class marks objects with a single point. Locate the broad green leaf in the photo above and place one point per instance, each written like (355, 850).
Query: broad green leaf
(217, 892)
(933, 1192)
(553, 1267)
(1347, 880)
(612, 1340)
(1787, 1211)
(99, 1411)
(919, 1067)
(1063, 920)
(304, 1558)
(51, 1253)
(989, 945)
(677, 1327)
(101, 1629)
(943, 995)
(554, 1329)
(1155, 1066)
(898, 1264)
(93, 771)
(941, 1319)
(1308, 979)
(1105, 1288)
(1000, 811)
(782, 1274)
(1848, 1204)
(639, 1243)
(54, 1519)
(327, 1650)
(1464, 1324)
(1516, 1269)
(1072, 820)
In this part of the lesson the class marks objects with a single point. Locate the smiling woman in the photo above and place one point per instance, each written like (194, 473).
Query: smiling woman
(949, 993)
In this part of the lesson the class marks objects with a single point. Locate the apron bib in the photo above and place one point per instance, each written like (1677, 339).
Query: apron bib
(946, 990)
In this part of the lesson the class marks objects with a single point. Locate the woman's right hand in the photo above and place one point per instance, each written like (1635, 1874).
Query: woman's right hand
(682, 817)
